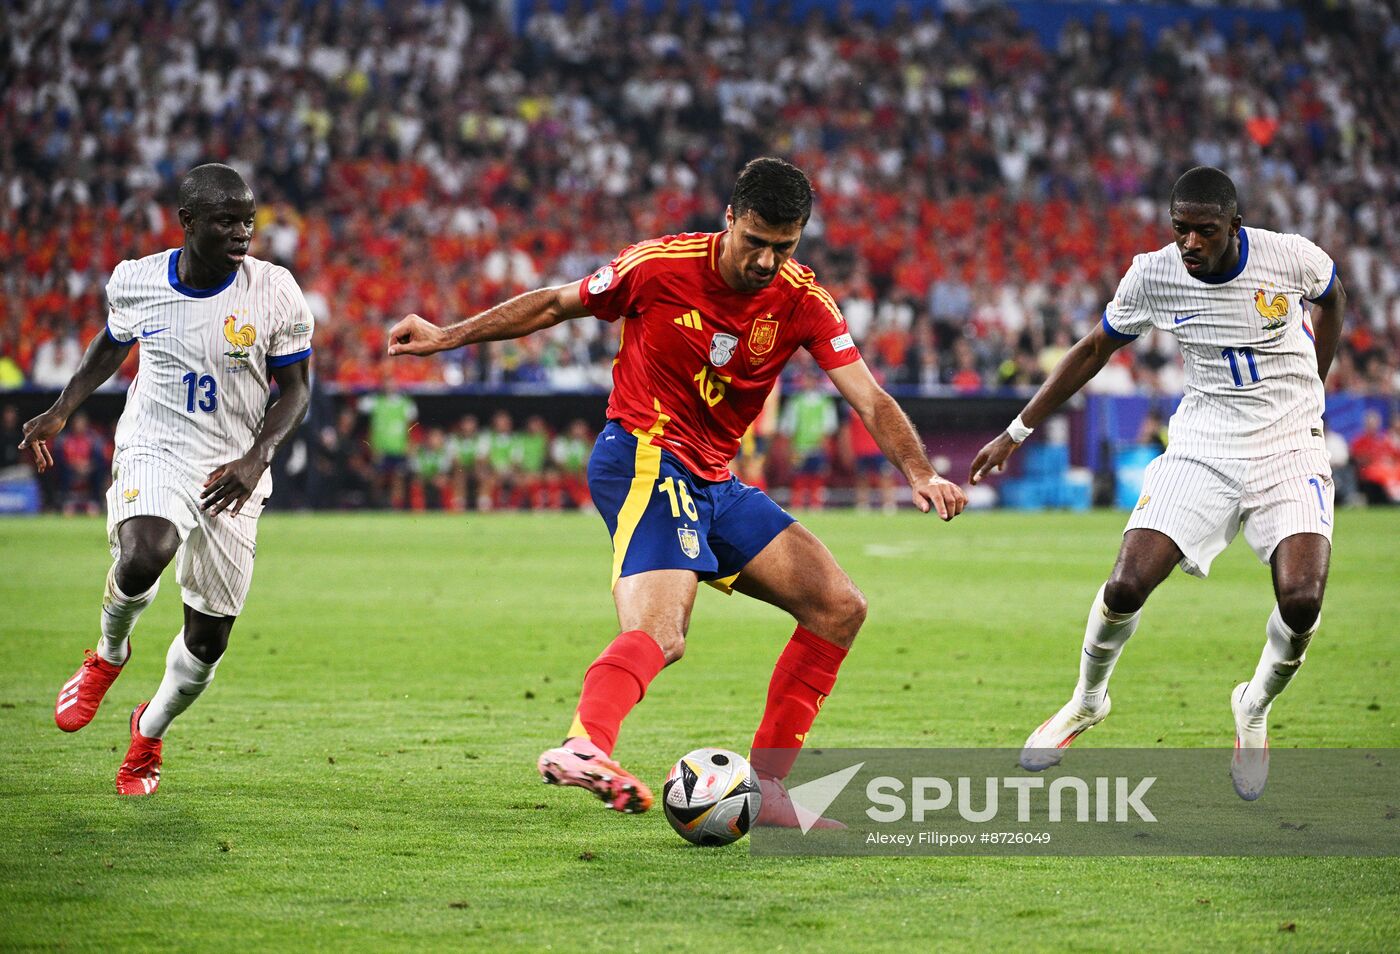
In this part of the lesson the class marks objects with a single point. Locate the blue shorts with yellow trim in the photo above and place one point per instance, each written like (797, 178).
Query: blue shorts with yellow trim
(663, 517)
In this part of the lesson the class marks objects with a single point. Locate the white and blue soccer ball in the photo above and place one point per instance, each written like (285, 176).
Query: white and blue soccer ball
(711, 797)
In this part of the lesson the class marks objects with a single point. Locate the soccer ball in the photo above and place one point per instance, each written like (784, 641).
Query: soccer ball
(711, 797)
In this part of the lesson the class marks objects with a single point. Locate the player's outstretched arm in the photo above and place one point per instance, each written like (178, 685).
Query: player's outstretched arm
(230, 485)
(103, 357)
(1076, 369)
(1327, 314)
(895, 434)
(516, 318)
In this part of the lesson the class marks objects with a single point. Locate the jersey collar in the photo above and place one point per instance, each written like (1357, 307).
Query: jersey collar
(186, 290)
(1234, 273)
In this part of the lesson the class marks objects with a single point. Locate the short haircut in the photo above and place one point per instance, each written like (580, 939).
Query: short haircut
(211, 184)
(777, 192)
(1206, 185)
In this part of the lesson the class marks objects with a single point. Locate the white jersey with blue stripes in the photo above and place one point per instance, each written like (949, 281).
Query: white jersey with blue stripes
(201, 392)
(1252, 387)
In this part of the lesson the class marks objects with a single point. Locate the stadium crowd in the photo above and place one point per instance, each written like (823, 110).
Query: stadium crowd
(979, 192)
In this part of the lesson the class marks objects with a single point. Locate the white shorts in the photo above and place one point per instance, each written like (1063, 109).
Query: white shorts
(214, 565)
(1201, 502)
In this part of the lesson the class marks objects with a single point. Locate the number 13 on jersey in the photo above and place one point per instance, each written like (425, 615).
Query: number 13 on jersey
(203, 387)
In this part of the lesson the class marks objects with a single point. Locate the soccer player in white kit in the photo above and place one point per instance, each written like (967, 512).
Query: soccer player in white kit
(1245, 448)
(190, 472)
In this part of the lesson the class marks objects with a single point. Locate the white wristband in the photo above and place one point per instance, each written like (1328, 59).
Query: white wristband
(1017, 431)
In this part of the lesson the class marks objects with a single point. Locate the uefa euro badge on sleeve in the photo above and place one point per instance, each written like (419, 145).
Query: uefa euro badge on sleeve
(690, 541)
(722, 348)
(601, 280)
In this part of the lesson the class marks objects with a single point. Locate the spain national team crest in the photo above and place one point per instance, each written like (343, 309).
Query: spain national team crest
(690, 542)
(722, 348)
(762, 336)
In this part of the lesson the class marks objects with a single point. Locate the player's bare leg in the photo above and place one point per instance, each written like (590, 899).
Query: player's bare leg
(797, 573)
(146, 545)
(1300, 564)
(190, 663)
(1145, 559)
(653, 611)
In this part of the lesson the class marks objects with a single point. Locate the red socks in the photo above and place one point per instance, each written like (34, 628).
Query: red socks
(616, 682)
(802, 679)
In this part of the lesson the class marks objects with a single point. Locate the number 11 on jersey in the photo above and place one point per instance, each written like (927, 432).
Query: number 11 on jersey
(1248, 354)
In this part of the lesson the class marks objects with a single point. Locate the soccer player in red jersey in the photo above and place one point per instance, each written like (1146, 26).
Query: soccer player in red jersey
(709, 320)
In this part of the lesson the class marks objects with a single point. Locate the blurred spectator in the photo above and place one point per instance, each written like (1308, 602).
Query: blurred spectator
(1153, 431)
(12, 459)
(391, 415)
(532, 459)
(431, 466)
(1343, 470)
(568, 454)
(467, 451)
(500, 463)
(1376, 453)
(340, 476)
(809, 421)
(83, 459)
(874, 475)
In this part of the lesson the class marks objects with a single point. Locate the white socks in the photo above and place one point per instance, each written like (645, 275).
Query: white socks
(1284, 651)
(186, 676)
(119, 614)
(1104, 637)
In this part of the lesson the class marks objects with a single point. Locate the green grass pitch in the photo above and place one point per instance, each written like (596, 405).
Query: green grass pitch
(361, 774)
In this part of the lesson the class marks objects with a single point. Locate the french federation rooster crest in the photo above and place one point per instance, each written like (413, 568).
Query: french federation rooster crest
(241, 338)
(1274, 312)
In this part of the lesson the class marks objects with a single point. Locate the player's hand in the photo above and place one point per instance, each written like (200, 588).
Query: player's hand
(992, 457)
(230, 486)
(940, 494)
(38, 431)
(415, 335)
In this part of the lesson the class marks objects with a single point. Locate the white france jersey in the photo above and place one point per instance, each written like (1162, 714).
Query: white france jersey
(1252, 387)
(201, 392)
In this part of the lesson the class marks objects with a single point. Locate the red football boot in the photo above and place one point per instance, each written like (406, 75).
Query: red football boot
(140, 771)
(80, 696)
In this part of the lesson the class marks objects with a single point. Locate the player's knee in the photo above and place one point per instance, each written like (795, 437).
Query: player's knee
(138, 570)
(1299, 606)
(672, 644)
(1125, 594)
(844, 617)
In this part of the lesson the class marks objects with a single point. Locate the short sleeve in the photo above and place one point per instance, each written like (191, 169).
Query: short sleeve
(1319, 271)
(291, 341)
(829, 337)
(121, 315)
(1127, 315)
(609, 293)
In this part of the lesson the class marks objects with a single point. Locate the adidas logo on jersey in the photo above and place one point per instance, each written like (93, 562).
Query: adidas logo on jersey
(690, 319)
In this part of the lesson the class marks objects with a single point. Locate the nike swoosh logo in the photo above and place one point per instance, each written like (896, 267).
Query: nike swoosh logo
(147, 334)
(1186, 319)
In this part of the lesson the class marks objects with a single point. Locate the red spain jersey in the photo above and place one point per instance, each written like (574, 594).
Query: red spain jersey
(698, 358)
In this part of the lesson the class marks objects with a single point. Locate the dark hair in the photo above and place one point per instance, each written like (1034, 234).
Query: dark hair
(777, 192)
(1206, 185)
(211, 184)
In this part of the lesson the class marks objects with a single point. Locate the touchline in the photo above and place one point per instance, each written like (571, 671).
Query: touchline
(1100, 799)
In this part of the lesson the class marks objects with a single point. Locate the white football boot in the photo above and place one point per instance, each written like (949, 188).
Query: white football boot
(1249, 768)
(1047, 744)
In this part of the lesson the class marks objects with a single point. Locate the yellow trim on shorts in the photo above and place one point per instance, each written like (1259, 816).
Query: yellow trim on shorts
(724, 584)
(645, 473)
